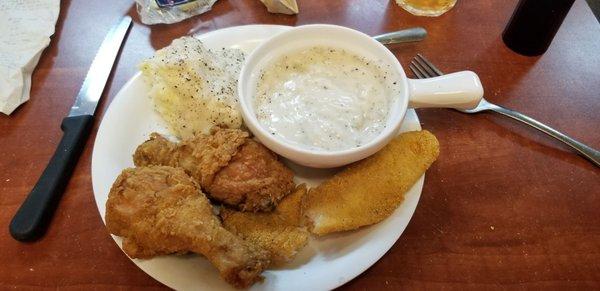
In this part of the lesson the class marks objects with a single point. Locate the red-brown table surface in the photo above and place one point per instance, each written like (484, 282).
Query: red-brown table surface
(504, 206)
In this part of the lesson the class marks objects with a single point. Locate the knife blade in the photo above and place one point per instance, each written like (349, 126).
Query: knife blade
(31, 220)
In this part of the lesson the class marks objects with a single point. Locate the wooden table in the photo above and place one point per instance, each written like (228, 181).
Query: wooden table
(504, 206)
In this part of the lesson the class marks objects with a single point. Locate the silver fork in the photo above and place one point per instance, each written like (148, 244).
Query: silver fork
(423, 68)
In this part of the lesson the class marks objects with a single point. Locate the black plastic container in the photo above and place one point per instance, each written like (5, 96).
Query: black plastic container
(534, 24)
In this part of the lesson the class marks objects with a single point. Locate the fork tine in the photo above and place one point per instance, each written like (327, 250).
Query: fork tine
(425, 67)
(420, 68)
(416, 72)
(419, 71)
(429, 64)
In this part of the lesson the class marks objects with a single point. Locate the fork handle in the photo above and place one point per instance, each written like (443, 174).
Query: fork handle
(586, 151)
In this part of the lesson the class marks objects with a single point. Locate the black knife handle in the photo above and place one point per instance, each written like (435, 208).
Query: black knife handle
(31, 220)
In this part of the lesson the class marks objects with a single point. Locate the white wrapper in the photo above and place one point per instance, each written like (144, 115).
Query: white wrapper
(152, 14)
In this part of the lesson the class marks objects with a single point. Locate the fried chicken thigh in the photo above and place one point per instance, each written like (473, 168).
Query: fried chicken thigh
(229, 166)
(160, 210)
(253, 179)
(201, 156)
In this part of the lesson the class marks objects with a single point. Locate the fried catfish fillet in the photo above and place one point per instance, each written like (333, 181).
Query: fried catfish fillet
(160, 210)
(230, 167)
(281, 232)
(369, 191)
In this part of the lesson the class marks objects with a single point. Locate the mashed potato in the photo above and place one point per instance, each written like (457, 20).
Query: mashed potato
(194, 88)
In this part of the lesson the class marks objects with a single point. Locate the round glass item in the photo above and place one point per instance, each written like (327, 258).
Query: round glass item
(426, 7)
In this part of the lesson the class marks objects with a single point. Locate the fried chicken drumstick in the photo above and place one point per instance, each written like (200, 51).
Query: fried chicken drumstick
(159, 210)
(229, 166)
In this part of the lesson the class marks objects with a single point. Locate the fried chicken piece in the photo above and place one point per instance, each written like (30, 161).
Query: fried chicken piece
(159, 210)
(201, 156)
(253, 180)
(369, 191)
(229, 166)
(280, 232)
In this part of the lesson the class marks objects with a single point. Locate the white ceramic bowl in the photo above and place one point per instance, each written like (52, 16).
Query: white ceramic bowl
(458, 90)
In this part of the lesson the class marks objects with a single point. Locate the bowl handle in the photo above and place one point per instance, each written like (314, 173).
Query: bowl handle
(461, 90)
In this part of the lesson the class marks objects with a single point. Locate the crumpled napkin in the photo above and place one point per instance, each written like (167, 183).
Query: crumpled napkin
(281, 6)
(151, 13)
(25, 30)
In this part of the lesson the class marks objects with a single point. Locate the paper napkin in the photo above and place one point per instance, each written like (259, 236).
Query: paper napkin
(25, 30)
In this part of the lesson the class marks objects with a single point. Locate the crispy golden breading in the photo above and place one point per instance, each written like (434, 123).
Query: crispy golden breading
(253, 180)
(230, 167)
(369, 191)
(160, 210)
(280, 232)
(201, 156)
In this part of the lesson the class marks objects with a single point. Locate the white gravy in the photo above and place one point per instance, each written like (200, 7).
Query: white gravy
(324, 98)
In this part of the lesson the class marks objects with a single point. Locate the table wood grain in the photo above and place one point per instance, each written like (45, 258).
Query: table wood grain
(503, 207)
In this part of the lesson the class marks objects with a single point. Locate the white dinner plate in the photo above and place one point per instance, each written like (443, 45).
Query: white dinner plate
(325, 263)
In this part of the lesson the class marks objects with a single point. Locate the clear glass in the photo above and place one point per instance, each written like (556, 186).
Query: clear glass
(426, 7)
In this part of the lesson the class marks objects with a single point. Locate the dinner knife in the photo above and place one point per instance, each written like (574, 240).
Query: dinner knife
(32, 218)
